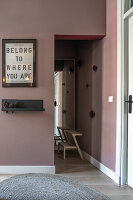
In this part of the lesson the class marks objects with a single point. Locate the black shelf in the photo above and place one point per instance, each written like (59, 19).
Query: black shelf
(24, 109)
(13, 105)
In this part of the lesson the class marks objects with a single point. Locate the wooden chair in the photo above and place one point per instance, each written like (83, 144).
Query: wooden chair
(61, 137)
(71, 143)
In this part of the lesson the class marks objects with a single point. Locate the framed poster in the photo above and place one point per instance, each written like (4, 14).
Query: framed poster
(18, 62)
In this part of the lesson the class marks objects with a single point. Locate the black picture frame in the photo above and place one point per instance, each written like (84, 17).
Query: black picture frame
(19, 84)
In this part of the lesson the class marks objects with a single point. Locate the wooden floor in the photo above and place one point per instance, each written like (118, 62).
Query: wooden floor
(84, 172)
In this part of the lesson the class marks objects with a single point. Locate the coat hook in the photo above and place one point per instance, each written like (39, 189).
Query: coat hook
(92, 114)
(95, 68)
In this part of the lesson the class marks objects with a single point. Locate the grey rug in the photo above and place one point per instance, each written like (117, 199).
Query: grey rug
(45, 186)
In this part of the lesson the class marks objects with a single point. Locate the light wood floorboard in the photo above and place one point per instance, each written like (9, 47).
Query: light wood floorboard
(86, 173)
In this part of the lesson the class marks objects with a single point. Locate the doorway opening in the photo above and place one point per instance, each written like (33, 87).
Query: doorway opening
(64, 97)
(64, 104)
(78, 96)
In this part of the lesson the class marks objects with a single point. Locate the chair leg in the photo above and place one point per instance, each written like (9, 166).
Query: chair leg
(64, 153)
(58, 148)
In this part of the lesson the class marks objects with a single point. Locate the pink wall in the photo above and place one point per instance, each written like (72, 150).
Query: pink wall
(76, 17)
(99, 133)
(83, 94)
(109, 86)
(26, 138)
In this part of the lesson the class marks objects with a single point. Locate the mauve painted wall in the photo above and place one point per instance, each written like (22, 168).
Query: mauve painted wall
(57, 16)
(109, 86)
(99, 138)
(26, 138)
(83, 94)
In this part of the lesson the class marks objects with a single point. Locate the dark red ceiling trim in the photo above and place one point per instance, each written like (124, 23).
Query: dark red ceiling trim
(79, 37)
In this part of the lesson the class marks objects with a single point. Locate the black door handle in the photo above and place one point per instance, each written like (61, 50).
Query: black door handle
(55, 103)
(130, 103)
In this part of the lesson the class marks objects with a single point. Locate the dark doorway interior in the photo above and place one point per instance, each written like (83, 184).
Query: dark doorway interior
(88, 89)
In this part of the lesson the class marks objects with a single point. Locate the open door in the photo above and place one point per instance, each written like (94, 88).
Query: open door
(130, 101)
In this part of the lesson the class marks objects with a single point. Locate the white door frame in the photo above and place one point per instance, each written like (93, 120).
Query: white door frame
(56, 75)
(119, 128)
(122, 91)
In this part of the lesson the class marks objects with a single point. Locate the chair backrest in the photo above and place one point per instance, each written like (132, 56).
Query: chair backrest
(69, 137)
(61, 131)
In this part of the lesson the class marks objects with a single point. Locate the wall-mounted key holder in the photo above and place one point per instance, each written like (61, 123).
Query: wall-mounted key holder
(22, 105)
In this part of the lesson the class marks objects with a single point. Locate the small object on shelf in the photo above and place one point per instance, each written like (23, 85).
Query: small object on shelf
(11, 105)
(22, 105)
(6, 105)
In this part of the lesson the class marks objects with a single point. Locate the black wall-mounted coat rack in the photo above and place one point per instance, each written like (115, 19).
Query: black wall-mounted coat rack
(22, 105)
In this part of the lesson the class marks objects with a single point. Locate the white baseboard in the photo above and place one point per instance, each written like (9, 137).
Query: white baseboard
(27, 169)
(102, 167)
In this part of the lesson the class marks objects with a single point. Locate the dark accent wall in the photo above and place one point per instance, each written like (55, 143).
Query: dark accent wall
(84, 94)
(90, 98)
